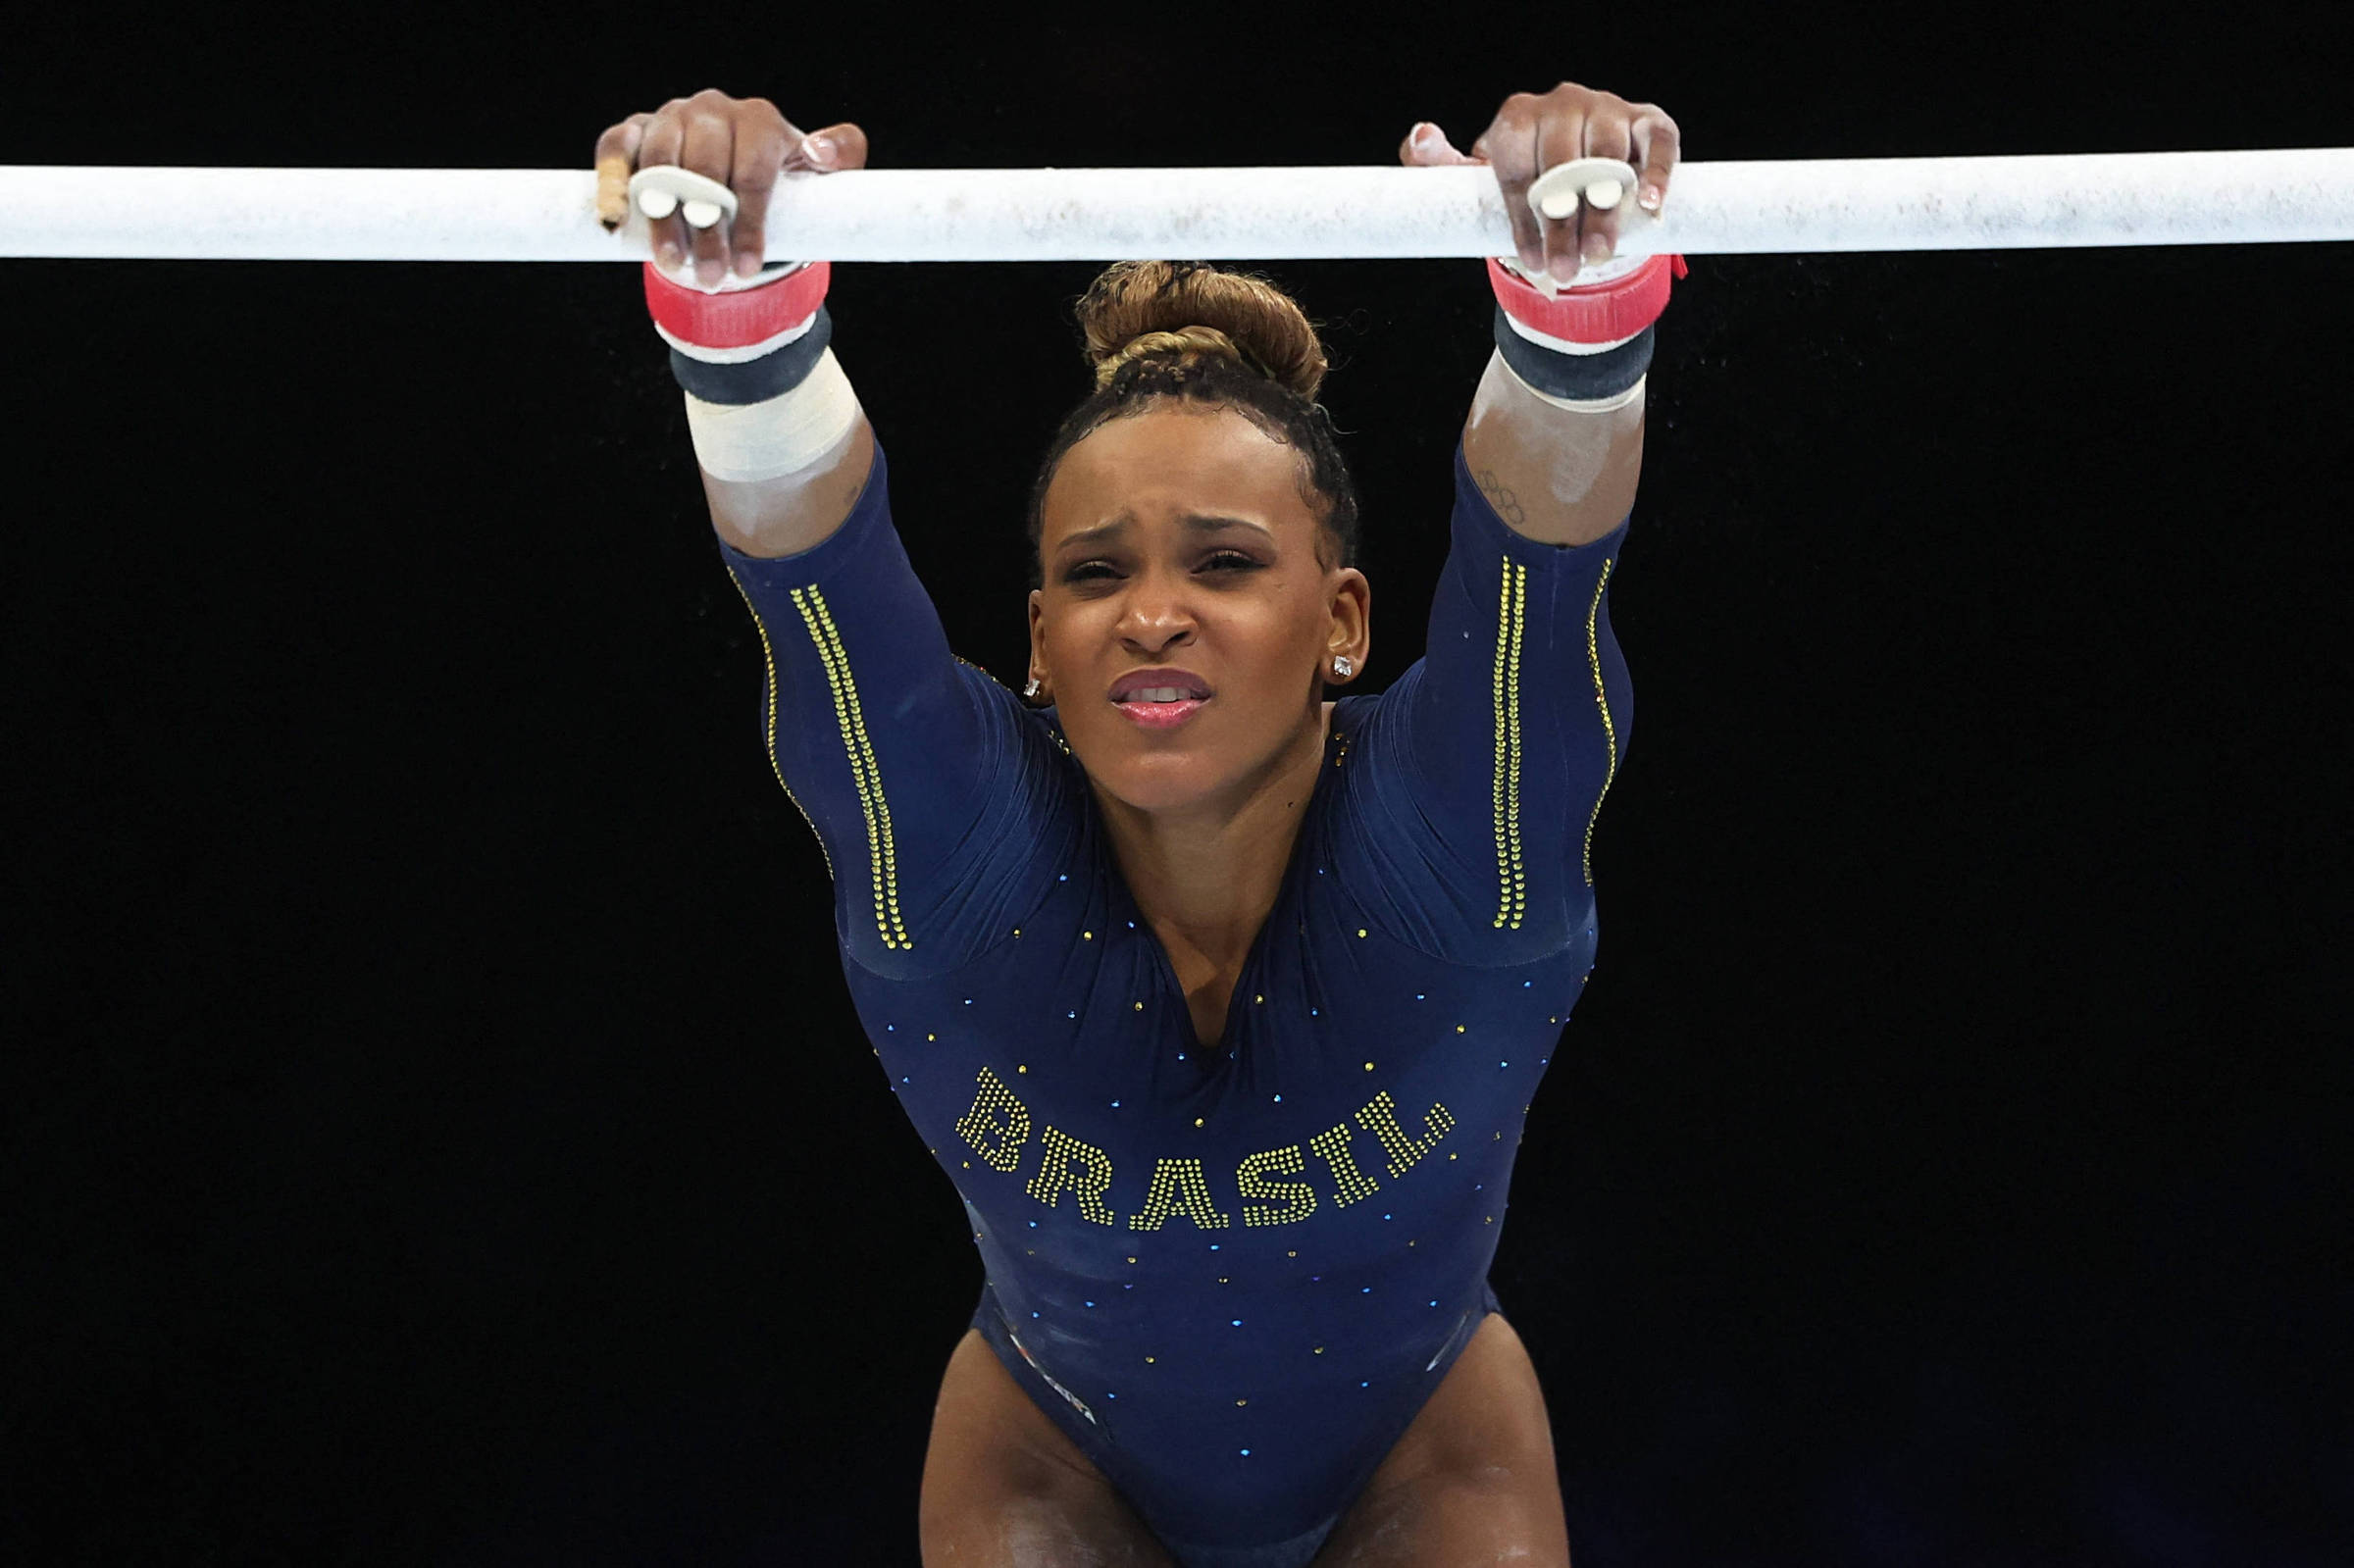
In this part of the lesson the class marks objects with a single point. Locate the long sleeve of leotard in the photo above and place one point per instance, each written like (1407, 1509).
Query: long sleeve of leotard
(937, 800)
(1485, 763)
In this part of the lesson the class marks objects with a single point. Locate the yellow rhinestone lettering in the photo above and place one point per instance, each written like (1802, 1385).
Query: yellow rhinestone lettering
(1179, 1187)
(1298, 1198)
(1350, 1185)
(1088, 1183)
(998, 1125)
(1380, 1118)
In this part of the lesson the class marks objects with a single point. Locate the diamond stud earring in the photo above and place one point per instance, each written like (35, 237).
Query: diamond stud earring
(1343, 666)
(1031, 690)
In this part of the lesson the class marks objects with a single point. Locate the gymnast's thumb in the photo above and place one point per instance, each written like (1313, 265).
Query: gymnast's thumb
(1427, 144)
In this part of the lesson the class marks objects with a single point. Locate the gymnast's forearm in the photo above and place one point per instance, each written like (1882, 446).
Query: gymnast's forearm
(800, 509)
(1560, 476)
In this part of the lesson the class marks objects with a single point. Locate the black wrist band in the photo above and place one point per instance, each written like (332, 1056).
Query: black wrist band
(1582, 378)
(756, 380)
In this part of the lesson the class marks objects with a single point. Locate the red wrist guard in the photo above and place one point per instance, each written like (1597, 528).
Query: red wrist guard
(737, 317)
(1598, 313)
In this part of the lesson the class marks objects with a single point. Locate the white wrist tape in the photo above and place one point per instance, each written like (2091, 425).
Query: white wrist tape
(746, 442)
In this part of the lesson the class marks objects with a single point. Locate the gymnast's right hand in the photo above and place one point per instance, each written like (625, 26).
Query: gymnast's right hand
(740, 142)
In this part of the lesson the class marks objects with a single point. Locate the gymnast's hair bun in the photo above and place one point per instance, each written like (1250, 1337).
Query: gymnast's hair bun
(1191, 309)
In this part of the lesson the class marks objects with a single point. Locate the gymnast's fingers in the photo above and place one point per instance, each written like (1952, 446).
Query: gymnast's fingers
(1561, 139)
(845, 146)
(827, 151)
(616, 161)
(1608, 135)
(1509, 146)
(763, 137)
(665, 136)
(1427, 147)
(709, 150)
(1658, 143)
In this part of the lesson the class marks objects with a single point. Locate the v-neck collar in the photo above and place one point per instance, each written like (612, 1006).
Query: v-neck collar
(1285, 891)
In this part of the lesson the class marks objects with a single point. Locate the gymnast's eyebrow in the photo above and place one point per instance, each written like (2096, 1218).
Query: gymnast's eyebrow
(1194, 523)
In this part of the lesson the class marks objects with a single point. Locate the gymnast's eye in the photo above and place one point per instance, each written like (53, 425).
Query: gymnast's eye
(1099, 571)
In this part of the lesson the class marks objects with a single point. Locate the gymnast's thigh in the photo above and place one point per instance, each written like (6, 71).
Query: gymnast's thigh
(1473, 1479)
(1004, 1488)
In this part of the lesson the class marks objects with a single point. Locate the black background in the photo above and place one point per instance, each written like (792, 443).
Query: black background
(437, 1130)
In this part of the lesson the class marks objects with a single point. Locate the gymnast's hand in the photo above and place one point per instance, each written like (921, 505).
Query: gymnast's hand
(740, 142)
(1533, 132)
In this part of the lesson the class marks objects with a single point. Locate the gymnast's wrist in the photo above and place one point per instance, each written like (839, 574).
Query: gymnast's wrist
(1587, 347)
(1603, 306)
(745, 341)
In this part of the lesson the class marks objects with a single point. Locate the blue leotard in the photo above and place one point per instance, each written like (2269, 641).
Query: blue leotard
(1231, 1274)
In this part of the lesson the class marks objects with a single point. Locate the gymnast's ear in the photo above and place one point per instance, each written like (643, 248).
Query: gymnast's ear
(1038, 652)
(1352, 634)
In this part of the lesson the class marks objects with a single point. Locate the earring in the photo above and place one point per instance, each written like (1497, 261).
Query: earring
(1031, 690)
(1343, 666)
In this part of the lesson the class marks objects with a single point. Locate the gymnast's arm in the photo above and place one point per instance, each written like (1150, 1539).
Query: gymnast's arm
(1558, 476)
(798, 511)
(926, 787)
(1482, 769)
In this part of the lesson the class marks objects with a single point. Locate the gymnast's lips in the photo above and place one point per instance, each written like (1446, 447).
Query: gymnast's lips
(1184, 681)
(1158, 711)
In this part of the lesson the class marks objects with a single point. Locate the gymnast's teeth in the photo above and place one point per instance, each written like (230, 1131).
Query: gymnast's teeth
(1155, 694)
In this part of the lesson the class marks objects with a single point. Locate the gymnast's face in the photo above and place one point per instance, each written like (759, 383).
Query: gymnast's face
(1179, 539)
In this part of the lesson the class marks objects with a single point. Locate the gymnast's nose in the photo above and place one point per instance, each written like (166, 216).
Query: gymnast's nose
(1156, 612)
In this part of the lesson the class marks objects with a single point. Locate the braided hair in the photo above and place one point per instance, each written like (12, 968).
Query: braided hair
(1187, 330)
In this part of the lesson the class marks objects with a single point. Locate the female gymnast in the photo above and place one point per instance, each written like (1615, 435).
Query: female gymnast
(1221, 1002)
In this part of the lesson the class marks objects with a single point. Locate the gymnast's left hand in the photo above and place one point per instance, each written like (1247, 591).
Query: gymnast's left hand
(1536, 132)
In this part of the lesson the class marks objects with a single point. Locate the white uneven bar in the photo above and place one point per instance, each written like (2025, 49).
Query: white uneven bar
(1781, 206)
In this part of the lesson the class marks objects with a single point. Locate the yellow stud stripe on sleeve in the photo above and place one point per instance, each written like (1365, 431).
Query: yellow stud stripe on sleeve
(1609, 733)
(768, 656)
(1512, 692)
(874, 774)
(882, 854)
(1511, 877)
